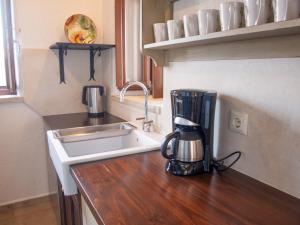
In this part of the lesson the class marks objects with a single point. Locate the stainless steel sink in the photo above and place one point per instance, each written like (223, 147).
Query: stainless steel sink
(93, 132)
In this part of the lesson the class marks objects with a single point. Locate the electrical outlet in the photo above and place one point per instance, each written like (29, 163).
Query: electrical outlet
(238, 122)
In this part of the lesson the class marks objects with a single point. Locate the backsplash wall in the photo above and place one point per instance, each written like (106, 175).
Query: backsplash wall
(268, 91)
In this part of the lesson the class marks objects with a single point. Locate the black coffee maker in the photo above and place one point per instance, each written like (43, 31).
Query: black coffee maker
(191, 149)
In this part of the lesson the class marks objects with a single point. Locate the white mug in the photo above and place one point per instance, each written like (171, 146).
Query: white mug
(191, 27)
(231, 15)
(208, 21)
(257, 12)
(286, 9)
(160, 32)
(175, 29)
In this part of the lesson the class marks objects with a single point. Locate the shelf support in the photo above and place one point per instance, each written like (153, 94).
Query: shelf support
(93, 52)
(61, 53)
(62, 48)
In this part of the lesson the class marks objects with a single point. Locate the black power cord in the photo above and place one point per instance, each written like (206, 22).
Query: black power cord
(219, 164)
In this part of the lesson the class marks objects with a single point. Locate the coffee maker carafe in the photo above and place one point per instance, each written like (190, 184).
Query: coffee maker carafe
(191, 149)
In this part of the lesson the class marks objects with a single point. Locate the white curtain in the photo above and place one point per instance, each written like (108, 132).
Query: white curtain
(133, 56)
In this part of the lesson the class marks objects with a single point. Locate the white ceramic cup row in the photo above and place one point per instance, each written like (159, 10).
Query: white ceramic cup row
(191, 25)
(232, 16)
(257, 12)
(171, 30)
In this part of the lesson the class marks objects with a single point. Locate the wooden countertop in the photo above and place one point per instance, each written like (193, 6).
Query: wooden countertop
(136, 190)
(78, 120)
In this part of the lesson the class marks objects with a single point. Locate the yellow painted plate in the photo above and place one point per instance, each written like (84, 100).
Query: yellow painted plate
(80, 29)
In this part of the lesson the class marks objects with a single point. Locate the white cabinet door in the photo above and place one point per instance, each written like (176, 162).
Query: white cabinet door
(87, 216)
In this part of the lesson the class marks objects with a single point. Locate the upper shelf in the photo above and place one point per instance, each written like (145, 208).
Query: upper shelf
(73, 46)
(62, 48)
(291, 27)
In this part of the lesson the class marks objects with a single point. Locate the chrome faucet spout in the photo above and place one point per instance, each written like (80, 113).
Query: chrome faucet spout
(147, 123)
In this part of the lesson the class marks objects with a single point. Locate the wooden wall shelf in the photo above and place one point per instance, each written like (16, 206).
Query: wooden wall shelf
(262, 31)
(156, 11)
(63, 47)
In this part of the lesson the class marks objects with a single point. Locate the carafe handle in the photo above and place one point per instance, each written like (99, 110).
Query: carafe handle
(164, 146)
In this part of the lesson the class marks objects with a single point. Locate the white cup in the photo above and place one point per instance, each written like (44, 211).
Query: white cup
(286, 9)
(257, 12)
(160, 32)
(208, 21)
(231, 15)
(191, 27)
(175, 29)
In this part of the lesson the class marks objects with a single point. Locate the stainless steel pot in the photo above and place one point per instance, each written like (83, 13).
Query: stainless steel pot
(94, 98)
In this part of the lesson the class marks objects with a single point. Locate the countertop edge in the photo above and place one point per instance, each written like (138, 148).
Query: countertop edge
(83, 193)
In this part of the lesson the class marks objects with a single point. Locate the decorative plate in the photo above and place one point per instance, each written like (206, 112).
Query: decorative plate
(80, 29)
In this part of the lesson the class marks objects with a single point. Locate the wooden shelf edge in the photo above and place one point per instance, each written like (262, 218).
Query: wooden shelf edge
(76, 46)
(291, 27)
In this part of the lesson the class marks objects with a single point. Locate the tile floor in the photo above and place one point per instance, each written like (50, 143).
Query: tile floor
(42, 211)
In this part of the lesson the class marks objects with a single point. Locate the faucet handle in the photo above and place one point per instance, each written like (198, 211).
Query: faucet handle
(140, 118)
(147, 126)
(148, 122)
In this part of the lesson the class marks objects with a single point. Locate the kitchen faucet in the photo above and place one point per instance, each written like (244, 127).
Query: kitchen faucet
(147, 123)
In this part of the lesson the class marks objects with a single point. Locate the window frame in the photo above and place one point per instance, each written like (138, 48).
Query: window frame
(152, 75)
(9, 54)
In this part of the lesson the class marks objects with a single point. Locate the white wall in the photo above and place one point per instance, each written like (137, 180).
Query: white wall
(23, 161)
(40, 25)
(23, 154)
(266, 89)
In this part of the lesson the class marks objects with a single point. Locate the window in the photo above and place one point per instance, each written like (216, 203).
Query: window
(127, 50)
(7, 59)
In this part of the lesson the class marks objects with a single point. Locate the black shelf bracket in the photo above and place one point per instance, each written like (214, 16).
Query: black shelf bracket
(93, 53)
(63, 51)
(61, 66)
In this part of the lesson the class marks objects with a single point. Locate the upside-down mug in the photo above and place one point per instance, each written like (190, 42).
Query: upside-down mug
(286, 9)
(231, 15)
(257, 12)
(208, 21)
